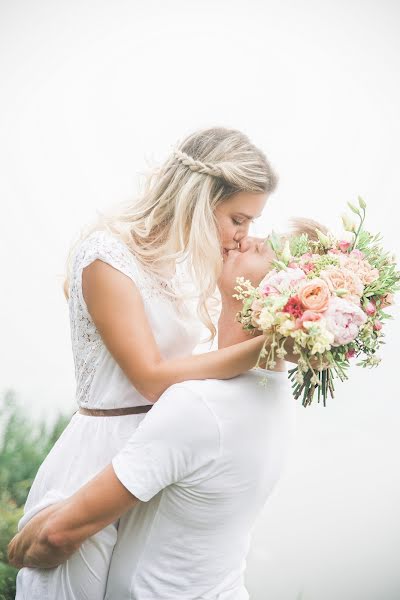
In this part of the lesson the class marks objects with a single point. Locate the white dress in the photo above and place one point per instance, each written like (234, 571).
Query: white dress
(89, 443)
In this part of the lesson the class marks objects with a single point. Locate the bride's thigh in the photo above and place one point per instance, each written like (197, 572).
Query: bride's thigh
(82, 577)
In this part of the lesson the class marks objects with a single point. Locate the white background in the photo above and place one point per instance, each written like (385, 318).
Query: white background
(92, 91)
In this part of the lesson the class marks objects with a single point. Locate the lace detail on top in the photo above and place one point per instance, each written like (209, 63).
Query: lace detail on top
(85, 338)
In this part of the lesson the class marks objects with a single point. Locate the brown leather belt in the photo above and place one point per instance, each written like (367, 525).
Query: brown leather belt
(114, 412)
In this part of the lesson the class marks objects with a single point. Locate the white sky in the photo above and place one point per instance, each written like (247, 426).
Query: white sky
(92, 91)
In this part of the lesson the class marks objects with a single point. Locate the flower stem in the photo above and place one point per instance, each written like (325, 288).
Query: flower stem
(362, 218)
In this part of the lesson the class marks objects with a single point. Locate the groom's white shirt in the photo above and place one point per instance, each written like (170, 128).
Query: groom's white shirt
(203, 461)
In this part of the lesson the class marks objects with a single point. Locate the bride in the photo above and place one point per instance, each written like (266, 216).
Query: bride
(133, 329)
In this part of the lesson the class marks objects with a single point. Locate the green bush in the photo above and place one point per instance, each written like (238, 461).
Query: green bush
(23, 447)
(7, 582)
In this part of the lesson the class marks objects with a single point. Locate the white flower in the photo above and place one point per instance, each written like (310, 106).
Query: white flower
(301, 337)
(266, 319)
(321, 345)
(281, 353)
(286, 324)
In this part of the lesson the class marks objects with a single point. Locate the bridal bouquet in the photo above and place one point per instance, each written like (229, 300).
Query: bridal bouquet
(328, 296)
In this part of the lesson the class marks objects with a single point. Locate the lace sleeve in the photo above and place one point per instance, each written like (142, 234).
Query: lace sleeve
(104, 246)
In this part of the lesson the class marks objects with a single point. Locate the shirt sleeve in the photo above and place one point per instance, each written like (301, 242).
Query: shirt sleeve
(177, 438)
(108, 248)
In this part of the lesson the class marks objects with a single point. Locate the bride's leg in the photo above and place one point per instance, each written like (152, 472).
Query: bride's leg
(82, 577)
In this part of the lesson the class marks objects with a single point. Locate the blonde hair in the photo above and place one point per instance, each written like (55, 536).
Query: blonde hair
(300, 225)
(173, 218)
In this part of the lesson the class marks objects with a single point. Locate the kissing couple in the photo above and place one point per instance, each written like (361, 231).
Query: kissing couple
(154, 487)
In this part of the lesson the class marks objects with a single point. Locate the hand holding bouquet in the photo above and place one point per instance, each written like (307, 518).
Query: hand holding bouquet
(328, 297)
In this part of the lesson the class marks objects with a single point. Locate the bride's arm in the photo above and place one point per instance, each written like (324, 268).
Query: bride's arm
(116, 307)
(231, 332)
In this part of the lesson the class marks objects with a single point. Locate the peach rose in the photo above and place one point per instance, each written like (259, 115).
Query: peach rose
(360, 267)
(314, 295)
(343, 278)
(367, 274)
(387, 300)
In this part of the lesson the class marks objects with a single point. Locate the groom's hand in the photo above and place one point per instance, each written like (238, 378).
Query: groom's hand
(55, 533)
(33, 545)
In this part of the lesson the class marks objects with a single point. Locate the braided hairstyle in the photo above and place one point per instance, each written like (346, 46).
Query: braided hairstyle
(174, 216)
(224, 170)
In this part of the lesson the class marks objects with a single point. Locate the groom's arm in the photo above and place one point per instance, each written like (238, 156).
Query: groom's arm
(179, 436)
(56, 532)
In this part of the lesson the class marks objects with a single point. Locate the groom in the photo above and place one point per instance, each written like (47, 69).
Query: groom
(195, 475)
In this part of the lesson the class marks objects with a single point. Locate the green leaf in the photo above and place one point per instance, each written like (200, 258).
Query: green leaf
(275, 242)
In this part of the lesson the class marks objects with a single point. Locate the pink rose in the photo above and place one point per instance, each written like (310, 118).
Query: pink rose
(314, 295)
(350, 353)
(343, 320)
(370, 309)
(377, 325)
(357, 253)
(308, 266)
(344, 246)
(284, 280)
(268, 290)
(308, 315)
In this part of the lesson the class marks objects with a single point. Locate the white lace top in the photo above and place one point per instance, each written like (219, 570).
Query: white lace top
(100, 382)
